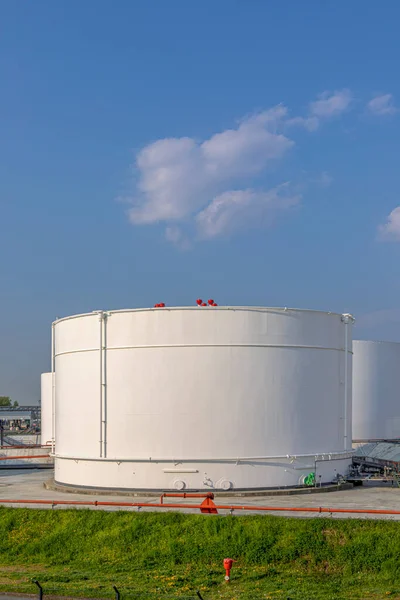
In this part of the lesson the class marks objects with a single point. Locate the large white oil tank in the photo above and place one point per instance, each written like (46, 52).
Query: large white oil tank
(212, 398)
(46, 408)
(376, 391)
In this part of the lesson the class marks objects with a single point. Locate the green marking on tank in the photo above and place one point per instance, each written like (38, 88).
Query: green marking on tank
(309, 479)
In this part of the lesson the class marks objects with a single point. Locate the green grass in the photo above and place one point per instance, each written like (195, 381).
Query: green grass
(83, 553)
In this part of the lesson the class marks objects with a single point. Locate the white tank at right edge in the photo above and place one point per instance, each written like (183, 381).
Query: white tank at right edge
(376, 391)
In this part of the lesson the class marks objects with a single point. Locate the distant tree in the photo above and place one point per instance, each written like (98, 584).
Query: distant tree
(15, 405)
(5, 401)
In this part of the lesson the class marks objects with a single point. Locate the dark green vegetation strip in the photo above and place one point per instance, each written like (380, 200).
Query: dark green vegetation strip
(83, 553)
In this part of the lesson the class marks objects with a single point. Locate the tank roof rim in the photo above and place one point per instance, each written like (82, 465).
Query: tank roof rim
(220, 308)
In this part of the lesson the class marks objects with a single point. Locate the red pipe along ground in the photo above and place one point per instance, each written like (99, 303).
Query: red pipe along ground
(203, 508)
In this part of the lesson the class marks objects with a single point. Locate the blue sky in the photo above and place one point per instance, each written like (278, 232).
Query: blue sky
(162, 151)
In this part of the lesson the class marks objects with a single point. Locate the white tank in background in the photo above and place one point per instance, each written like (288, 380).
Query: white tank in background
(212, 398)
(46, 407)
(376, 391)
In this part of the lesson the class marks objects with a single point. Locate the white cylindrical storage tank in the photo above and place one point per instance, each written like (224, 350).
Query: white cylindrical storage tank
(46, 403)
(376, 391)
(213, 398)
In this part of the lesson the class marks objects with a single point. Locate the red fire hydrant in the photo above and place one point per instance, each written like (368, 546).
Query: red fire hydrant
(228, 562)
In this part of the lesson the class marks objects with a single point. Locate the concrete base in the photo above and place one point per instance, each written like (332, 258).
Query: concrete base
(60, 487)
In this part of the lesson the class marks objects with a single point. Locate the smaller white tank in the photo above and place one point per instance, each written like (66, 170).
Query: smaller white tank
(376, 391)
(46, 402)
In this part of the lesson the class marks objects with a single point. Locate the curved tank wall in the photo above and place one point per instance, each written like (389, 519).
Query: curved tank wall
(376, 390)
(202, 398)
(46, 408)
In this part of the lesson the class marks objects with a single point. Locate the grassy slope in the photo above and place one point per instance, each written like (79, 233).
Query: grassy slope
(82, 553)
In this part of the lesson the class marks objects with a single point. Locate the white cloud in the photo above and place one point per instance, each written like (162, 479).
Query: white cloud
(331, 104)
(202, 185)
(179, 176)
(382, 105)
(326, 106)
(238, 209)
(390, 231)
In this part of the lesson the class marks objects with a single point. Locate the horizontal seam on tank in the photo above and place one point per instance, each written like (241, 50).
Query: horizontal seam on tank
(230, 345)
(343, 453)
